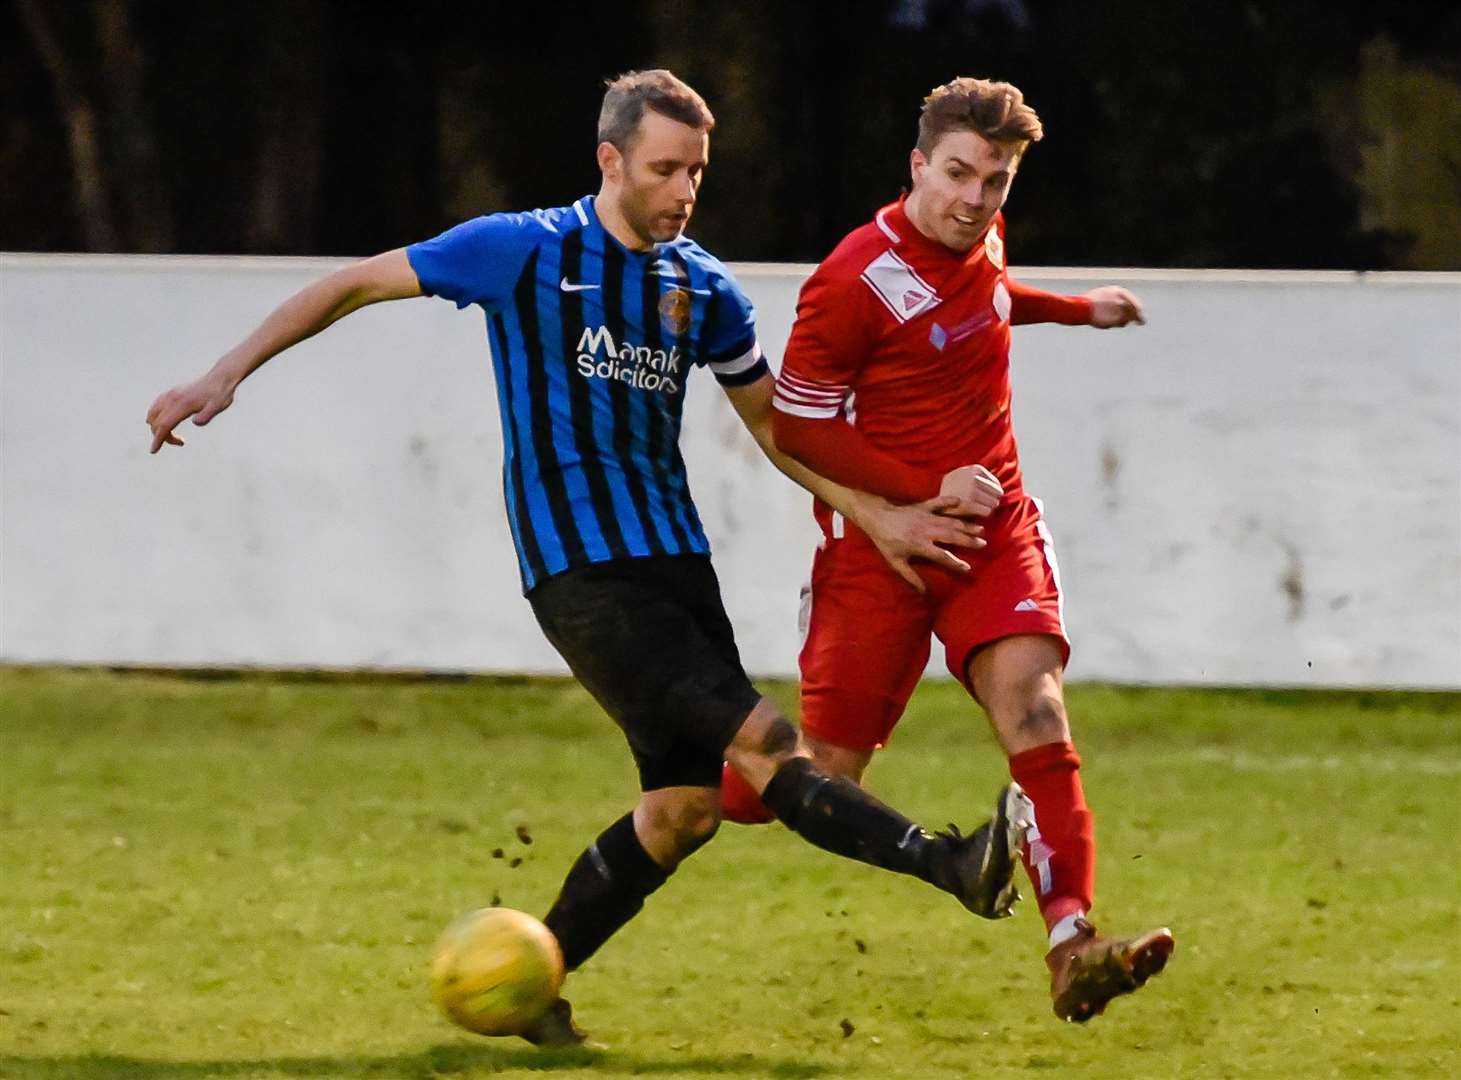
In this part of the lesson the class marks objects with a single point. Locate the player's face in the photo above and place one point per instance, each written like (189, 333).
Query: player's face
(960, 187)
(658, 179)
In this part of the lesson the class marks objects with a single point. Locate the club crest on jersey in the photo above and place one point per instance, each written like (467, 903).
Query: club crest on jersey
(674, 311)
(994, 247)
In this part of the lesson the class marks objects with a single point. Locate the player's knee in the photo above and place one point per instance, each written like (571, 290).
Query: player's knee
(688, 822)
(699, 818)
(697, 828)
(766, 734)
(764, 743)
(839, 760)
(779, 739)
(1042, 720)
(694, 830)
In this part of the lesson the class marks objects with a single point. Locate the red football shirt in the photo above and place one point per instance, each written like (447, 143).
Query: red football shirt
(908, 342)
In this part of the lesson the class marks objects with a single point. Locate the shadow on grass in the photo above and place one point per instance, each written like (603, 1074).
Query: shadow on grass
(445, 1060)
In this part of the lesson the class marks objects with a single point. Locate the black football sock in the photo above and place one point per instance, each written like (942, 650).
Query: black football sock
(604, 890)
(840, 817)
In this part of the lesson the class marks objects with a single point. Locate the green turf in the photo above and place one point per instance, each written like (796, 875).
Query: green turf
(242, 878)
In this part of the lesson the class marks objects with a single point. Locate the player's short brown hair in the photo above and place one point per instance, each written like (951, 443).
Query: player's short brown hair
(659, 91)
(995, 110)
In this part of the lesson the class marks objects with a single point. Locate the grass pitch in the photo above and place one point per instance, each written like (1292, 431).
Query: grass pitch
(243, 878)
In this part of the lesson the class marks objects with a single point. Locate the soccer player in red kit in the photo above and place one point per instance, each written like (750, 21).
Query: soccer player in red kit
(896, 382)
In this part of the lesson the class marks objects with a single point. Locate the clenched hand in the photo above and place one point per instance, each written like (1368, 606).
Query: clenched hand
(1112, 307)
(975, 490)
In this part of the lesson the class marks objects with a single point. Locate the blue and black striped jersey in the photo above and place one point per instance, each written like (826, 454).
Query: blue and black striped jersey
(592, 344)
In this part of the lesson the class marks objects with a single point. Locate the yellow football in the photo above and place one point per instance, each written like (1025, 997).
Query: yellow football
(496, 970)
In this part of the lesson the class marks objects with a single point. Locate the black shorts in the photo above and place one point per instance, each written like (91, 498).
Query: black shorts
(649, 639)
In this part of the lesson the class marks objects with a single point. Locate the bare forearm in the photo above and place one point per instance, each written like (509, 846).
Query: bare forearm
(388, 276)
(302, 316)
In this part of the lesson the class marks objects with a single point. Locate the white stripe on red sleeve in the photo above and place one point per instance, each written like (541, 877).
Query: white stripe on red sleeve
(791, 393)
(807, 401)
(810, 387)
(828, 412)
(814, 399)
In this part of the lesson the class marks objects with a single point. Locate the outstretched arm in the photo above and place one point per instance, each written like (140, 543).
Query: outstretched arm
(1104, 308)
(901, 533)
(388, 276)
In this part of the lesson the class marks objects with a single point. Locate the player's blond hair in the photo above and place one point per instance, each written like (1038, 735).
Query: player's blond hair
(657, 90)
(996, 110)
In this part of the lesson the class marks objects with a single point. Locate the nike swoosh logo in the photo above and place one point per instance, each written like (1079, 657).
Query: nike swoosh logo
(568, 286)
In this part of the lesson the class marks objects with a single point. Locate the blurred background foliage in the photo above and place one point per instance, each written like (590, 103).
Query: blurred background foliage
(1271, 133)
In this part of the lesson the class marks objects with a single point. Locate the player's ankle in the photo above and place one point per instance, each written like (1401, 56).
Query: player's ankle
(1065, 929)
(934, 854)
(1060, 914)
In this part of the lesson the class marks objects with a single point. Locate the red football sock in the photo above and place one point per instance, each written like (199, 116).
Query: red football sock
(739, 801)
(1061, 854)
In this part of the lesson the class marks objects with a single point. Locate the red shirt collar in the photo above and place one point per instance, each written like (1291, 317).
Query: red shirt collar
(894, 223)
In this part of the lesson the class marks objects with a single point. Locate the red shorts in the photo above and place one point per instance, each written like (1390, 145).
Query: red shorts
(867, 632)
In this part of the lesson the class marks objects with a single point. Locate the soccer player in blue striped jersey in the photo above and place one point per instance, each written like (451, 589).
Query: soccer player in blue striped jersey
(594, 341)
(596, 314)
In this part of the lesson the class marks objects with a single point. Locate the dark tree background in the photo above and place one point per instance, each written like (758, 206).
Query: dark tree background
(1272, 133)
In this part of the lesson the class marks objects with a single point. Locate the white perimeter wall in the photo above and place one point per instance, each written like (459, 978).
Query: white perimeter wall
(1263, 485)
